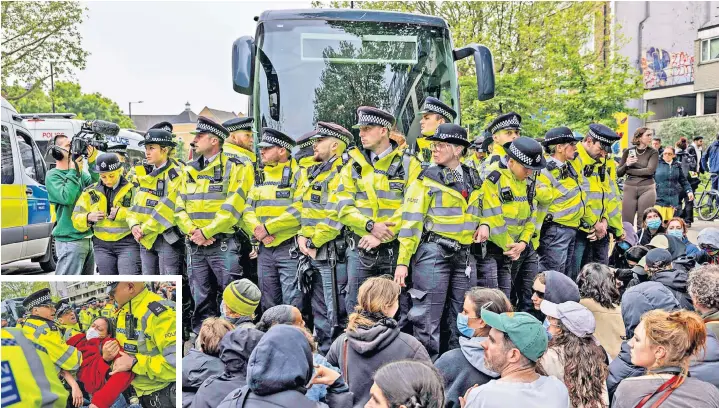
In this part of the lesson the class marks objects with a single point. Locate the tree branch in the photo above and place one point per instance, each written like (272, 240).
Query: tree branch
(29, 91)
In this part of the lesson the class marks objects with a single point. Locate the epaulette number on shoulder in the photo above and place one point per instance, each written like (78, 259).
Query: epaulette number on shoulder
(172, 173)
(494, 176)
(156, 308)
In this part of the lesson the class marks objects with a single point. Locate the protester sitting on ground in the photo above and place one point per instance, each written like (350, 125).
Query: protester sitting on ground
(704, 290)
(98, 379)
(599, 294)
(463, 367)
(372, 338)
(554, 287)
(514, 345)
(652, 225)
(203, 360)
(674, 245)
(625, 277)
(574, 355)
(406, 384)
(659, 268)
(708, 240)
(239, 302)
(235, 349)
(280, 368)
(636, 301)
(663, 344)
(677, 228)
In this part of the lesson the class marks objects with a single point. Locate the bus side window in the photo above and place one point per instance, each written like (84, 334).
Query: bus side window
(32, 160)
(8, 163)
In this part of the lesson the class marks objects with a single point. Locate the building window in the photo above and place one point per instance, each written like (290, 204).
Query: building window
(710, 49)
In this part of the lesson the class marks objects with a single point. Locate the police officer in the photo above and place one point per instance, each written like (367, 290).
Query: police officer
(85, 317)
(41, 329)
(372, 187)
(240, 141)
(272, 216)
(305, 156)
(321, 235)
(209, 205)
(67, 321)
(504, 129)
(146, 333)
(145, 168)
(603, 205)
(477, 152)
(434, 113)
(152, 216)
(108, 311)
(508, 223)
(29, 376)
(440, 216)
(121, 151)
(103, 207)
(92, 308)
(560, 203)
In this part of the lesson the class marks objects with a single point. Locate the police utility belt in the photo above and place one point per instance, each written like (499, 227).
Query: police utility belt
(446, 243)
(385, 246)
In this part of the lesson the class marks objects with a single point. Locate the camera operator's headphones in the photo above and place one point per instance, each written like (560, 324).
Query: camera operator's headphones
(56, 151)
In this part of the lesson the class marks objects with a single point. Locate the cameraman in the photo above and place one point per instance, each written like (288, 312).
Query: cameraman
(64, 185)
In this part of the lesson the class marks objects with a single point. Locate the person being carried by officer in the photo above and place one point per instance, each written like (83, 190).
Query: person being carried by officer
(321, 236)
(208, 209)
(146, 342)
(508, 223)
(272, 217)
(560, 203)
(439, 219)
(66, 320)
(504, 130)
(369, 200)
(152, 215)
(103, 207)
(603, 212)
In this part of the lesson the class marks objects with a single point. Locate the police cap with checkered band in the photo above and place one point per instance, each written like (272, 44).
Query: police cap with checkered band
(62, 308)
(450, 133)
(306, 140)
(166, 126)
(107, 162)
(39, 298)
(207, 125)
(527, 152)
(603, 134)
(558, 135)
(434, 105)
(329, 129)
(235, 124)
(159, 137)
(272, 137)
(510, 120)
(370, 116)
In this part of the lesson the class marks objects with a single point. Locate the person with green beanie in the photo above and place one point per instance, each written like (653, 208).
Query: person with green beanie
(239, 302)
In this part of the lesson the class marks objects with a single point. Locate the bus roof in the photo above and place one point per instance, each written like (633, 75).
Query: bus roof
(353, 15)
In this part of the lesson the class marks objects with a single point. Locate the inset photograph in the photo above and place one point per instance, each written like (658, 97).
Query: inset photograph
(88, 344)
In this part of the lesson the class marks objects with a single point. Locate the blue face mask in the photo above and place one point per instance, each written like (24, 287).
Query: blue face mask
(462, 326)
(546, 329)
(654, 223)
(676, 233)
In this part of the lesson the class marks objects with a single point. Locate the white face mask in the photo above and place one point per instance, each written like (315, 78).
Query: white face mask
(92, 334)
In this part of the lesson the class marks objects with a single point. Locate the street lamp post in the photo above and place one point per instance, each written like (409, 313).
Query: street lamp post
(130, 108)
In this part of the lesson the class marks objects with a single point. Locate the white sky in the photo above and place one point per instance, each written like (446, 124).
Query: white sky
(166, 53)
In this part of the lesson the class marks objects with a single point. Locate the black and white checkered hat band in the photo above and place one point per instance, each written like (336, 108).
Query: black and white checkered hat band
(242, 126)
(374, 120)
(600, 138)
(39, 301)
(116, 150)
(521, 156)
(332, 133)
(166, 129)
(157, 140)
(306, 144)
(267, 138)
(512, 122)
(204, 127)
(438, 109)
(112, 167)
(447, 136)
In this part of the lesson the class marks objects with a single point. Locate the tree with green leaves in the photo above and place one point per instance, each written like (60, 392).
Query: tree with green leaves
(34, 35)
(675, 128)
(11, 290)
(556, 63)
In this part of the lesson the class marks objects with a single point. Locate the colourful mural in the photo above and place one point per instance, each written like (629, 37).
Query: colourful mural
(664, 68)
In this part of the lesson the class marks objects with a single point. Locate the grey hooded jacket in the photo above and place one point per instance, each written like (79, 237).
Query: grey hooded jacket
(463, 367)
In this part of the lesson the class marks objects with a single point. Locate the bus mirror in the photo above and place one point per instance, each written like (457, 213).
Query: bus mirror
(484, 65)
(243, 64)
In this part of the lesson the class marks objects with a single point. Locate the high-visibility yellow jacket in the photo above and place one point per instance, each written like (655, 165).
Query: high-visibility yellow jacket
(108, 311)
(153, 208)
(238, 152)
(497, 153)
(435, 204)
(93, 199)
(69, 330)
(305, 162)
(211, 199)
(614, 199)
(248, 166)
(29, 376)
(276, 202)
(472, 161)
(511, 219)
(368, 192)
(45, 333)
(318, 222)
(85, 319)
(154, 341)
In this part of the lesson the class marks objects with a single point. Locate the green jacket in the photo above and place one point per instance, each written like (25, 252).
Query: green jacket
(64, 188)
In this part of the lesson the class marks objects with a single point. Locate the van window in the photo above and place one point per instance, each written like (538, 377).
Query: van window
(8, 167)
(32, 161)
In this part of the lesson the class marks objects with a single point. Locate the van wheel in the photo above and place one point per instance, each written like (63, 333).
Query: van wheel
(51, 264)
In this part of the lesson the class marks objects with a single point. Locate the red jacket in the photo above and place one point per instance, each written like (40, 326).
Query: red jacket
(93, 372)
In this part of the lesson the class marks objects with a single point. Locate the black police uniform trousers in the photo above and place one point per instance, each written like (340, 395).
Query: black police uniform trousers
(556, 246)
(586, 251)
(277, 275)
(514, 278)
(121, 257)
(161, 398)
(439, 283)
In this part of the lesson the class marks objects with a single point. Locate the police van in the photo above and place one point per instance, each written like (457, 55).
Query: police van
(27, 217)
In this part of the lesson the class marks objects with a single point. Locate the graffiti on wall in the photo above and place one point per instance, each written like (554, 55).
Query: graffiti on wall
(664, 68)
